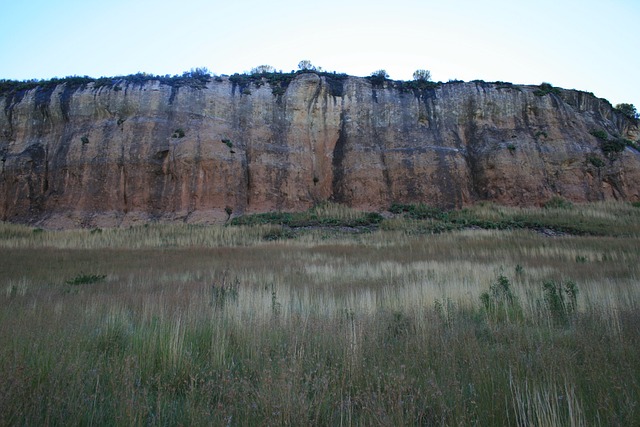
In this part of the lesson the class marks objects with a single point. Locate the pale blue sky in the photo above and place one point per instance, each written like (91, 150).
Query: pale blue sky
(586, 45)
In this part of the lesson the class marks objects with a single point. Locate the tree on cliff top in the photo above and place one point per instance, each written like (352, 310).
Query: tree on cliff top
(377, 78)
(306, 65)
(628, 110)
(263, 69)
(380, 74)
(422, 75)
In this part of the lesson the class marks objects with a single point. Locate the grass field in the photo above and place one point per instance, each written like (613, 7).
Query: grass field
(487, 316)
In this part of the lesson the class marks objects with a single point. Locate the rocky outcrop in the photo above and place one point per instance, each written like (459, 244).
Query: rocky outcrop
(127, 151)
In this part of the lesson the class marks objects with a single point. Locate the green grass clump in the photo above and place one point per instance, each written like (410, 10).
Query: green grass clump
(561, 299)
(500, 303)
(86, 279)
(558, 203)
(419, 211)
(326, 214)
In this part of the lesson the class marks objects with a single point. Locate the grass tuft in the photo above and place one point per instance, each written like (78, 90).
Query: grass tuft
(86, 279)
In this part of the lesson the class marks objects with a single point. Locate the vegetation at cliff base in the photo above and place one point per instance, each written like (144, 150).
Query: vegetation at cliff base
(183, 324)
(324, 214)
(558, 216)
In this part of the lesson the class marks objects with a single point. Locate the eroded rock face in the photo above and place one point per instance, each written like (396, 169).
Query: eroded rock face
(128, 153)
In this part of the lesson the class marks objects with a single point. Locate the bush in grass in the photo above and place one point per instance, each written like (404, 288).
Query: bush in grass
(558, 203)
(419, 211)
(280, 233)
(560, 300)
(224, 291)
(86, 279)
(499, 303)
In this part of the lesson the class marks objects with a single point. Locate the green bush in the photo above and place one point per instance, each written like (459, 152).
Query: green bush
(596, 161)
(263, 218)
(545, 89)
(86, 279)
(321, 215)
(610, 146)
(632, 144)
(499, 303)
(419, 211)
(613, 146)
(378, 77)
(558, 203)
(541, 134)
(282, 233)
(628, 110)
(561, 300)
(415, 85)
(600, 134)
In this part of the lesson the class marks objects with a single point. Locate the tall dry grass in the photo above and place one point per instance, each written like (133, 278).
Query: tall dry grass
(195, 326)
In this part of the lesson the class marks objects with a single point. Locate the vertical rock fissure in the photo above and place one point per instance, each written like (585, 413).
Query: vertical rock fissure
(471, 155)
(337, 163)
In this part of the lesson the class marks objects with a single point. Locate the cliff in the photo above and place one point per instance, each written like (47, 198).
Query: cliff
(126, 151)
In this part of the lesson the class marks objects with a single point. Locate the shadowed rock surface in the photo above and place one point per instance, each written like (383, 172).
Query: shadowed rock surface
(129, 152)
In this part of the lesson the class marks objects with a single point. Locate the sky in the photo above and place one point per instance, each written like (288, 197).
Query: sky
(586, 45)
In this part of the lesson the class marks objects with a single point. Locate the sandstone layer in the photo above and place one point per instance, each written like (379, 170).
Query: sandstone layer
(130, 152)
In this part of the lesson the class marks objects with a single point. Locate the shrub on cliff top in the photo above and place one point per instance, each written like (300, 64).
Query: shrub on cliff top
(546, 88)
(628, 110)
(378, 77)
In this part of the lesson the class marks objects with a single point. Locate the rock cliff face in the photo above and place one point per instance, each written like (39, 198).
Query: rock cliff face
(129, 152)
